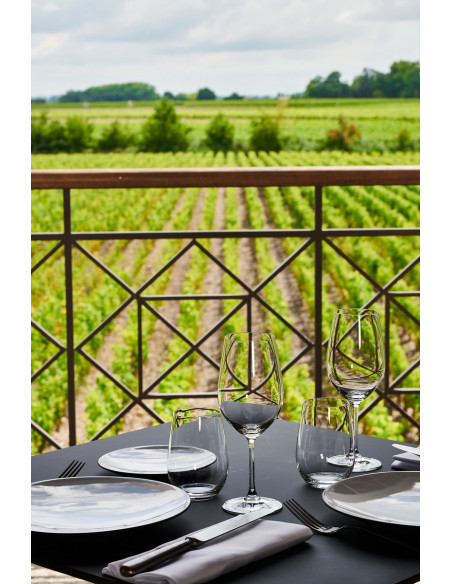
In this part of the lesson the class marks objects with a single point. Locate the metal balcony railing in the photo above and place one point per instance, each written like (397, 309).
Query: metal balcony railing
(317, 236)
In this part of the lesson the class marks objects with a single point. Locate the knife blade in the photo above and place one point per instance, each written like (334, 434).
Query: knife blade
(413, 449)
(159, 555)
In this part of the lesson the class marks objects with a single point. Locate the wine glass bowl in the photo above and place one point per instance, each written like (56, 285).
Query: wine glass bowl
(250, 395)
(355, 364)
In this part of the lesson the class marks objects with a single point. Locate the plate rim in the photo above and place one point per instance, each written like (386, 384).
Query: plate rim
(131, 472)
(158, 519)
(113, 468)
(352, 513)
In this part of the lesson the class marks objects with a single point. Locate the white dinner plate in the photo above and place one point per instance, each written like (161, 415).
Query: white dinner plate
(388, 497)
(94, 504)
(153, 460)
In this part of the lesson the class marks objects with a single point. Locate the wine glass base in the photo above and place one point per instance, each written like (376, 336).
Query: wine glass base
(365, 464)
(240, 505)
(362, 463)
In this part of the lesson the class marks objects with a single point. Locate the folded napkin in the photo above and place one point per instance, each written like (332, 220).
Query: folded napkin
(224, 554)
(406, 461)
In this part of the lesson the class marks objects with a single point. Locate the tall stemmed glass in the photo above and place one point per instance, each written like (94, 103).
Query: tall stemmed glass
(250, 394)
(356, 365)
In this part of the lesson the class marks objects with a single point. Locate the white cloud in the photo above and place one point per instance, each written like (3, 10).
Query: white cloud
(249, 46)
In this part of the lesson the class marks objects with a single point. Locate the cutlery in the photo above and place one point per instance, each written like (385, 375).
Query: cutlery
(162, 553)
(72, 469)
(413, 449)
(318, 527)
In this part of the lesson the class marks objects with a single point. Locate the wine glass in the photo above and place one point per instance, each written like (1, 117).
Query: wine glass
(355, 365)
(250, 394)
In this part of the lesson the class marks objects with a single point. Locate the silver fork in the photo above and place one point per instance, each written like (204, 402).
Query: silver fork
(315, 524)
(72, 469)
(318, 527)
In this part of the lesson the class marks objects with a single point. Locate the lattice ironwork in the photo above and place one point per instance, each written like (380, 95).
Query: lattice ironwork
(318, 237)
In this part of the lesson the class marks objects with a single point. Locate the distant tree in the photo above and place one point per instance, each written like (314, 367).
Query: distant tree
(367, 84)
(78, 134)
(164, 132)
(180, 97)
(235, 96)
(71, 97)
(115, 92)
(314, 87)
(329, 87)
(114, 137)
(206, 93)
(404, 79)
(343, 137)
(47, 137)
(265, 134)
(220, 134)
(52, 136)
(168, 95)
(38, 100)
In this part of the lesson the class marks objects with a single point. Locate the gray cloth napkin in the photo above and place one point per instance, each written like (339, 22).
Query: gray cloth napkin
(406, 461)
(224, 554)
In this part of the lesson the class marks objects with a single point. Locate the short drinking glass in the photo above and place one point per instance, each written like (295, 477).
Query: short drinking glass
(197, 456)
(325, 432)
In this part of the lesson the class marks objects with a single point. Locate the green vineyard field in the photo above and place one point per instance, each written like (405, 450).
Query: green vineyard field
(378, 120)
(292, 295)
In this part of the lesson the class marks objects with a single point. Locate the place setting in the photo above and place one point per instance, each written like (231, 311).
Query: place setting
(250, 397)
(193, 467)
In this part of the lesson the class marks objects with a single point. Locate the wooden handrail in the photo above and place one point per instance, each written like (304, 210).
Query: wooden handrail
(226, 177)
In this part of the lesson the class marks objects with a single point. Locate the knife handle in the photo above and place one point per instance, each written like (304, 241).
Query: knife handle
(156, 557)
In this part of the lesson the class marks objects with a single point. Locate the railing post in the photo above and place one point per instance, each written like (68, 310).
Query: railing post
(69, 316)
(140, 347)
(386, 340)
(249, 318)
(318, 292)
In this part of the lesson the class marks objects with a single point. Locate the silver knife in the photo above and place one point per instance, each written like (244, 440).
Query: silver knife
(157, 556)
(413, 449)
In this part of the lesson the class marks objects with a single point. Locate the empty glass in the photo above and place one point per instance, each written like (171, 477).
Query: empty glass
(197, 456)
(356, 365)
(325, 433)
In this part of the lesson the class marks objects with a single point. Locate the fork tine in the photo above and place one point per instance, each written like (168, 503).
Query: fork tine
(67, 470)
(290, 504)
(72, 469)
(303, 511)
(78, 468)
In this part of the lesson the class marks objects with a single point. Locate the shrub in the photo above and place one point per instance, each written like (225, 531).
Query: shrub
(47, 137)
(344, 137)
(404, 141)
(206, 93)
(265, 134)
(163, 132)
(114, 137)
(78, 134)
(220, 134)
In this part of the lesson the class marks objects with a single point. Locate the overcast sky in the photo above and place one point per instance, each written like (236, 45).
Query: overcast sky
(253, 47)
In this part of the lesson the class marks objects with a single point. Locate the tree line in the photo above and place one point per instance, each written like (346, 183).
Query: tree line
(402, 80)
(164, 132)
(132, 92)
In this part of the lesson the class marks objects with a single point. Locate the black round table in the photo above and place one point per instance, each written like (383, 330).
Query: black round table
(348, 556)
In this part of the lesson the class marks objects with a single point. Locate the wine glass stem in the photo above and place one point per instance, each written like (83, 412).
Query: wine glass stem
(252, 495)
(355, 411)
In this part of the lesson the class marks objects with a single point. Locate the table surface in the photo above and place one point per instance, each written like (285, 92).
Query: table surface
(350, 556)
